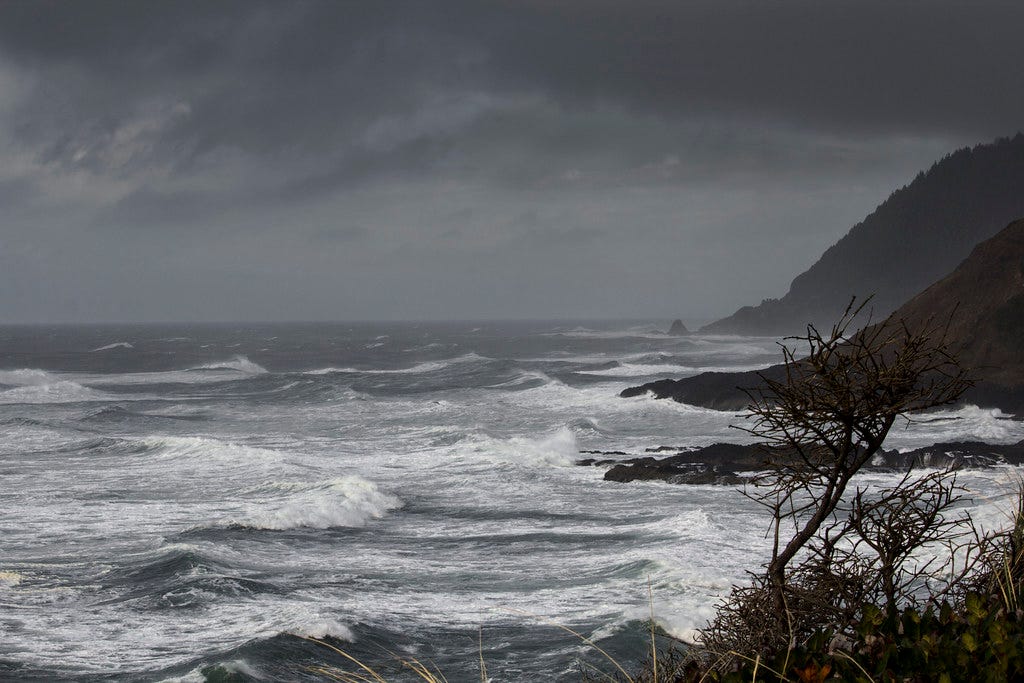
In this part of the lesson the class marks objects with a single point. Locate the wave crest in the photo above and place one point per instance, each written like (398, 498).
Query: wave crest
(26, 377)
(237, 363)
(418, 369)
(558, 449)
(39, 386)
(115, 345)
(343, 502)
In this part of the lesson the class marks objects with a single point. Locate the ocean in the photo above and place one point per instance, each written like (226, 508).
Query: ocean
(188, 502)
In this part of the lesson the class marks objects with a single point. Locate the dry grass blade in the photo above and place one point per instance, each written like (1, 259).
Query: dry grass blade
(340, 675)
(840, 653)
(480, 650)
(423, 672)
(654, 649)
(582, 638)
(374, 675)
(757, 664)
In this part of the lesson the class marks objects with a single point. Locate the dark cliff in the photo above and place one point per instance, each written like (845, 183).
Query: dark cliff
(983, 300)
(913, 238)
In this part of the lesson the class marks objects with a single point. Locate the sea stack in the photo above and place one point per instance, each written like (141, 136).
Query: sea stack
(678, 329)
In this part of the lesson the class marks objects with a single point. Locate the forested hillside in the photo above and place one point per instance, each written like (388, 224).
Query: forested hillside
(920, 233)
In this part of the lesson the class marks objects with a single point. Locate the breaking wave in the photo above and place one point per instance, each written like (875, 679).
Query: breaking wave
(237, 364)
(39, 386)
(557, 449)
(115, 345)
(343, 502)
(418, 369)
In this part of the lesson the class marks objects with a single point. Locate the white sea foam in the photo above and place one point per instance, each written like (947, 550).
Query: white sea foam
(238, 363)
(964, 423)
(585, 333)
(322, 629)
(477, 463)
(640, 370)
(10, 579)
(115, 345)
(38, 386)
(194, 676)
(27, 377)
(416, 369)
(557, 449)
(528, 377)
(209, 450)
(419, 368)
(343, 502)
(235, 666)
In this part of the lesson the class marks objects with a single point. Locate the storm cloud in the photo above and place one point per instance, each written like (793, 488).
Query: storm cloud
(350, 160)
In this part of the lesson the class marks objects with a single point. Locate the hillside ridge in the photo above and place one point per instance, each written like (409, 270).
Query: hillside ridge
(917, 235)
(983, 300)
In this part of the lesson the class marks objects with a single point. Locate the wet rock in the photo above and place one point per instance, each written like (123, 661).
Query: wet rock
(720, 462)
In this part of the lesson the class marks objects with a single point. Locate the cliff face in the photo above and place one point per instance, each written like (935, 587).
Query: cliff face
(913, 238)
(987, 293)
(983, 300)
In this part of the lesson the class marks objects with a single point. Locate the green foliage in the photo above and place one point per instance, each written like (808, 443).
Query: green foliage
(980, 641)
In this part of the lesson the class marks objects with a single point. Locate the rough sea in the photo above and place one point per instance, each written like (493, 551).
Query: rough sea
(186, 502)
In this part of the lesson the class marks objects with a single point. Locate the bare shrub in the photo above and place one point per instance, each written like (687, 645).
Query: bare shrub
(834, 550)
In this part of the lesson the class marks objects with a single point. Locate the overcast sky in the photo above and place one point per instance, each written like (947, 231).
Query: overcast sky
(477, 159)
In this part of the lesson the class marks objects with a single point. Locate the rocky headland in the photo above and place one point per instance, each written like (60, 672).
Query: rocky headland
(983, 301)
(913, 238)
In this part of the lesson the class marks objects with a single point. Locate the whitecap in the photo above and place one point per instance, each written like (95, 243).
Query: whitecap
(208, 449)
(10, 579)
(557, 449)
(963, 423)
(238, 363)
(322, 629)
(528, 377)
(115, 345)
(39, 386)
(234, 666)
(343, 502)
(27, 377)
(420, 368)
(643, 370)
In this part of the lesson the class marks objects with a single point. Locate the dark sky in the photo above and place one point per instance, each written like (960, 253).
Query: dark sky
(478, 159)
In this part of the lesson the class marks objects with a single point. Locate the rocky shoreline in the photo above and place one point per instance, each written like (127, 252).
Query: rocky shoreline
(725, 390)
(725, 463)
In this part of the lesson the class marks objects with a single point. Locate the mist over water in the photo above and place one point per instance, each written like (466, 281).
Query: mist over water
(178, 497)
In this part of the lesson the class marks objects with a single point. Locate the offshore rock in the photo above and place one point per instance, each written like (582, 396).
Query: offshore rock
(678, 329)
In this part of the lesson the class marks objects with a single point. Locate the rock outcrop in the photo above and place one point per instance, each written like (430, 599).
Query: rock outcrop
(721, 462)
(678, 329)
